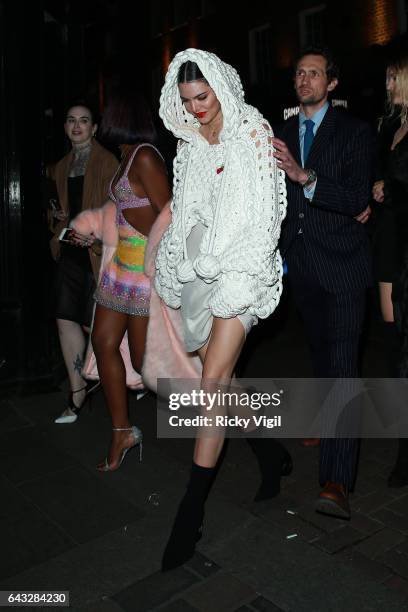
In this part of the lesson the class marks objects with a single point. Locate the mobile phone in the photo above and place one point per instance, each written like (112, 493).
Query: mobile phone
(65, 234)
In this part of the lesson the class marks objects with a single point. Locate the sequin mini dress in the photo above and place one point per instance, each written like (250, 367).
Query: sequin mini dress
(123, 286)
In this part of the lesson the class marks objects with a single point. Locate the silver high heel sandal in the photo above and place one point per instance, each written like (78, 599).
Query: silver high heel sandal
(137, 441)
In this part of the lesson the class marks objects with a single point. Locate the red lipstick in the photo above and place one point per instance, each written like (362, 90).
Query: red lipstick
(201, 115)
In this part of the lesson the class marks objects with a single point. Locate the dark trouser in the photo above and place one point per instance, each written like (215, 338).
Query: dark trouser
(333, 323)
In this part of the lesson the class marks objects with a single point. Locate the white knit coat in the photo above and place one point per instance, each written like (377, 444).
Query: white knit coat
(242, 209)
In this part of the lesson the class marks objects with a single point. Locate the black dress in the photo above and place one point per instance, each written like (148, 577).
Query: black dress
(75, 283)
(384, 247)
(396, 193)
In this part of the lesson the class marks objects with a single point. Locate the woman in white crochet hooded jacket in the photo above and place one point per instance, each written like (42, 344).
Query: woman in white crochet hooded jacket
(218, 260)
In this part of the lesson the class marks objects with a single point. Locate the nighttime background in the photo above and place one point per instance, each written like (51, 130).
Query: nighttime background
(56, 51)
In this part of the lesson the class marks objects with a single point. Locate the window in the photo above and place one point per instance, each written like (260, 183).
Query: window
(311, 25)
(260, 54)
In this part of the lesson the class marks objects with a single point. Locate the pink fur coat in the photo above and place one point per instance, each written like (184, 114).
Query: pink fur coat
(165, 355)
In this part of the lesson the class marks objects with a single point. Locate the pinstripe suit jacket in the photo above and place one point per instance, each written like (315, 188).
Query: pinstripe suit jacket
(321, 240)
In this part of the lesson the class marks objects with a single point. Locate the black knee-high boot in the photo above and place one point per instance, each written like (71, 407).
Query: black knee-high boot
(189, 518)
(274, 461)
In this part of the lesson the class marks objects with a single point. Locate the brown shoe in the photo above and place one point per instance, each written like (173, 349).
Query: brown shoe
(333, 500)
(310, 442)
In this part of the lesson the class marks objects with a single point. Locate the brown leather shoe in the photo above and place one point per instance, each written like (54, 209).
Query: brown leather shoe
(310, 442)
(333, 500)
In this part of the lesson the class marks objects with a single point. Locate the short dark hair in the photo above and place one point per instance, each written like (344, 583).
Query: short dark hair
(332, 69)
(127, 119)
(188, 72)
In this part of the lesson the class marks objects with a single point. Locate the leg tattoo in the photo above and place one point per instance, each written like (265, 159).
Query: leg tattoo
(78, 364)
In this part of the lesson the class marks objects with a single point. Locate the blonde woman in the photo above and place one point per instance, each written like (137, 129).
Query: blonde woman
(391, 192)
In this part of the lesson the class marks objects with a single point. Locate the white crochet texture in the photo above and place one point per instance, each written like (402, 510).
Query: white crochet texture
(242, 207)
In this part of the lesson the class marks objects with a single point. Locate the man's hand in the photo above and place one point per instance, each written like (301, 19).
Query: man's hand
(364, 216)
(378, 191)
(287, 163)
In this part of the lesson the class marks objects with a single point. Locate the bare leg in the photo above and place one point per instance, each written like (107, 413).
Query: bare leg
(219, 356)
(387, 310)
(108, 331)
(219, 360)
(73, 345)
(137, 330)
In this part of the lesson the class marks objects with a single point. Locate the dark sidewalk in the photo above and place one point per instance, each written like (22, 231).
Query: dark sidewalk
(64, 526)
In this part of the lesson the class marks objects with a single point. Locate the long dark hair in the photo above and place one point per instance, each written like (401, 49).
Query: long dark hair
(126, 119)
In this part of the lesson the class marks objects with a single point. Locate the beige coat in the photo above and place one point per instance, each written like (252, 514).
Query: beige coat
(100, 169)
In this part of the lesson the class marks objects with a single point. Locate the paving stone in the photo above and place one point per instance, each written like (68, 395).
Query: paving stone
(321, 521)
(220, 593)
(180, 605)
(222, 518)
(28, 537)
(403, 546)
(289, 524)
(397, 561)
(364, 523)
(62, 573)
(398, 584)
(26, 454)
(400, 505)
(103, 605)
(267, 564)
(339, 539)
(100, 509)
(154, 590)
(274, 508)
(10, 419)
(359, 562)
(263, 605)
(102, 567)
(380, 542)
(202, 565)
(392, 520)
(372, 502)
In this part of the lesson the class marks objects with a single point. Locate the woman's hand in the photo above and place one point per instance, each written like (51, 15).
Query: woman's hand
(80, 240)
(378, 191)
(364, 216)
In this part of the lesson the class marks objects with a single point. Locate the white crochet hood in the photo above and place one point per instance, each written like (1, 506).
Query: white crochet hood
(223, 80)
(240, 198)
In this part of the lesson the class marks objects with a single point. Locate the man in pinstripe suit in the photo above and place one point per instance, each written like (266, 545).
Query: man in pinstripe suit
(326, 155)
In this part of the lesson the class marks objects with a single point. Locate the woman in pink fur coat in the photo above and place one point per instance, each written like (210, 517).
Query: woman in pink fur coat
(140, 190)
